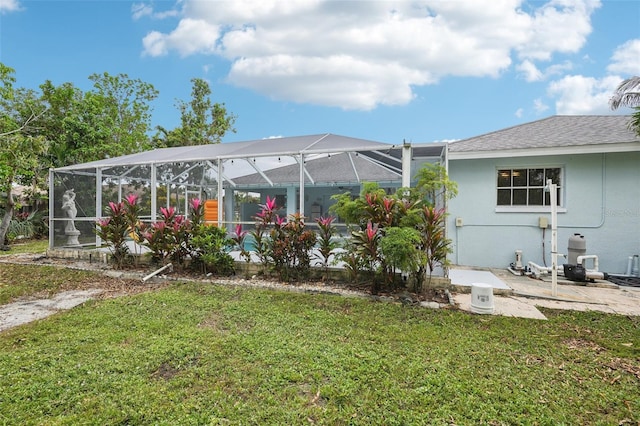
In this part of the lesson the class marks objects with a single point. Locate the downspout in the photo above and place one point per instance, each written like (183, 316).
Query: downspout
(602, 199)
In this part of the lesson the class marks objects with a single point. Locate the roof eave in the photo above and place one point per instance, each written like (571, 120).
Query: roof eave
(538, 152)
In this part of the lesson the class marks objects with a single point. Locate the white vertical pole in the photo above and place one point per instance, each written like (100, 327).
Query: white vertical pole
(291, 200)
(99, 211)
(186, 202)
(52, 215)
(553, 196)
(220, 198)
(154, 201)
(229, 206)
(406, 165)
(301, 184)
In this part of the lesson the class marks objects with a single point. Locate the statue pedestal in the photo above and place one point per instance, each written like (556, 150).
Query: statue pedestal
(72, 238)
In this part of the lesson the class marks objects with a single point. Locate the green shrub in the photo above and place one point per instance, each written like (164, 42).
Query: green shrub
(384, 228)
(401, 249)
(209, 250)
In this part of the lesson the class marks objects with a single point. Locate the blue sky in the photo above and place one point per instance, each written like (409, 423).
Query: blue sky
(419, 71)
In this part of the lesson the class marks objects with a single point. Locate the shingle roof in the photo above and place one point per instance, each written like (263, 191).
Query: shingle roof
(552, 132)
(327, 170)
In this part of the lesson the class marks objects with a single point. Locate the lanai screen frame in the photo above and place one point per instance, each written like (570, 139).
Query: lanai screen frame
(214, 157)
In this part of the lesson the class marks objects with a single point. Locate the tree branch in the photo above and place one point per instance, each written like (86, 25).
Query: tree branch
(31, 118)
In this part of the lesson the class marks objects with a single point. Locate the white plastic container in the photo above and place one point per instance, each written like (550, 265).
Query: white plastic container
(482, 298)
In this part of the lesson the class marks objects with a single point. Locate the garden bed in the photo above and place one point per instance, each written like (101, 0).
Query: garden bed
(330, 280)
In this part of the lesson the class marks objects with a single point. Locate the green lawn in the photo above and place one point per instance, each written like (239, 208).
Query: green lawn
(26, 246)
(29, 280)
(208, 354)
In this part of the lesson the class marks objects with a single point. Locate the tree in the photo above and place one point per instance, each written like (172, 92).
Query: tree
(628, 94)
(63, 102)
(433, 184)
(126, 109)
(20, 147)
(111, 120)
(201, 121)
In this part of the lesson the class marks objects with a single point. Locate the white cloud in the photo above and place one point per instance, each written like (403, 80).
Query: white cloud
(558, 26)
(579, 95)
(626, 58)
(361, 54)
(530, 71)
(339, 81)
(539, 106)
(519, 112)
(7, 6)
(191, 36)
(140, 10)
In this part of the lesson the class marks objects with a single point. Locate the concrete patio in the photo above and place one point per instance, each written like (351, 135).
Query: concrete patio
(520, 296)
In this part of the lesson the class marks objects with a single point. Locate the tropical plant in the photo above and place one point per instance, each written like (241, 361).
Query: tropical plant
(326, 243)
(164, 237)
(19, 227)
(352, 262)
(290, 247)
(196, 211)
(350, 210)
(284, 245)
(114, 230)
(209, 249)
(375, 214)
(628, 94)
(365, 245)
(434, 243)
(239, 239)
(260, 235)
(400, 247)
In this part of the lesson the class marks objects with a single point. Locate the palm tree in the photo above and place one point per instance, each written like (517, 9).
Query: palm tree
(628, 94)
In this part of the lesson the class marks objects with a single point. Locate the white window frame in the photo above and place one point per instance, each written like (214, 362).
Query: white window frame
(529, 208)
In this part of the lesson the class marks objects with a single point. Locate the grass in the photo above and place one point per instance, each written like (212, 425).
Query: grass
(26, 246)
(18, 281)
(207, 354)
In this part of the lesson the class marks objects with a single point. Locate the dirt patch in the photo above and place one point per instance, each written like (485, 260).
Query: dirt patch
(166, 372)
(582, 344)
(619, 364)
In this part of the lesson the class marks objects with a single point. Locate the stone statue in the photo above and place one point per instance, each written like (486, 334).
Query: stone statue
(70, 210)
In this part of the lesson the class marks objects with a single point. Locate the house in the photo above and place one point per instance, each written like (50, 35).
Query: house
(502, 205)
